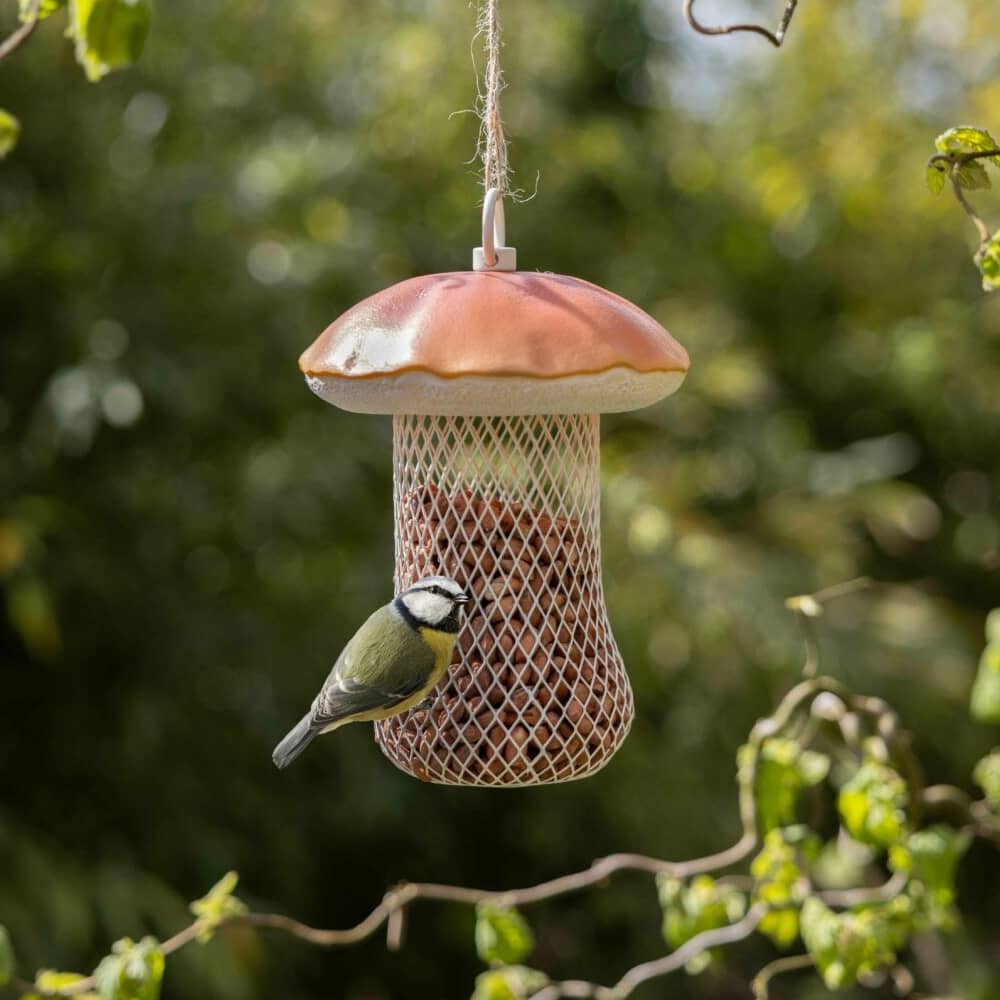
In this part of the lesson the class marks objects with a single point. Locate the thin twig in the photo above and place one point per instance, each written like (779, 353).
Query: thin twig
(690, 949)
(792, 963)
(774, 37)
(951, 165)
(844, 899)
(15, 40)
(975, 816)
(977, 219)
(808, 607)
(659, 967)
(801, 699)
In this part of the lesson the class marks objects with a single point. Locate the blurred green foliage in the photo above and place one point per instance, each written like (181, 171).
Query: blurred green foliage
(503, 936)
(187, 536)
(692, 908)
(778, 870)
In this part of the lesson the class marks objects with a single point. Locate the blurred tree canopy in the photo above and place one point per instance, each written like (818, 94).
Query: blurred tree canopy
(187, 535)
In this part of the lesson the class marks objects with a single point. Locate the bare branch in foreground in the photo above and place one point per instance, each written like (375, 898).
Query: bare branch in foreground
(658, 967)
(813, 700)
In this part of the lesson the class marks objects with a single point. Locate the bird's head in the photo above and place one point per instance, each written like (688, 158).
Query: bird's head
(435, 602)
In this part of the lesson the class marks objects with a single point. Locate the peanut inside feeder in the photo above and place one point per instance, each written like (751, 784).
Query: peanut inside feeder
(496, 380)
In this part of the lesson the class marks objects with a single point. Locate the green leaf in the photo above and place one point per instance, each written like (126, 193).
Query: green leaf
(856, 943)
(45, 8)
(217, 906)
(503, 936)
(512, 982)
(986, 774)
(8, 963)
(781, 874)
(813, 767)
(973, 176)
(691, 909)
(33, 615)
(10, 129)
(133, 971)
(784, 770)
(49, 981)
(931, 858)
(873, 805)
(937, 174)
(993, 618)
(967, 139)
(109, 34)
(988, 261)
(984, 702)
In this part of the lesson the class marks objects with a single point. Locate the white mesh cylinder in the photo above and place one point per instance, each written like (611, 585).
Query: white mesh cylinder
(510, 508)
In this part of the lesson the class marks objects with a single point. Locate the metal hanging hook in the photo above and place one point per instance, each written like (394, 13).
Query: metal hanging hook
(494, 255)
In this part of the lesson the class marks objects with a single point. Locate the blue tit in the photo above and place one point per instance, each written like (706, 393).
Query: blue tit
(390, 664)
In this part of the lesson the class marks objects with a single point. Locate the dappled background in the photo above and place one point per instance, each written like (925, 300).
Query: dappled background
(187, 535)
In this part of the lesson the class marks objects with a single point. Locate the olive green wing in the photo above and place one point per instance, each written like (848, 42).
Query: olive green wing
(382, 666)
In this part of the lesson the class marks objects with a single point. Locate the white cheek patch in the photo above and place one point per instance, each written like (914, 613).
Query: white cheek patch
(428, 607)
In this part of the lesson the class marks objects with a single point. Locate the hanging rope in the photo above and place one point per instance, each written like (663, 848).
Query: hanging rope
(492, 144)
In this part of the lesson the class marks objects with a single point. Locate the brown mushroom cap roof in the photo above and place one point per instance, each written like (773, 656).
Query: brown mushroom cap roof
(492, 323)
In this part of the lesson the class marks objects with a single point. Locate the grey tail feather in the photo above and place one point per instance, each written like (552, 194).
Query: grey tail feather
(294, 743)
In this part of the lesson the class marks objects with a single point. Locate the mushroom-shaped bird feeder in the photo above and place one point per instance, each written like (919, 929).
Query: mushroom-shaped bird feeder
(495, 379)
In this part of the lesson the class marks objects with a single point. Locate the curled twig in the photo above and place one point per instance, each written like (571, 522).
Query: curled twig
(950, 164)
(774, 37)
(792, 963)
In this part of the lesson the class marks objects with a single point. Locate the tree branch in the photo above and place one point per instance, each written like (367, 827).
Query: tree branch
(845, 899)
(951, 164)
(814, 697)
(774, 37)
(792, 963)
(659, 967)
(18, 37)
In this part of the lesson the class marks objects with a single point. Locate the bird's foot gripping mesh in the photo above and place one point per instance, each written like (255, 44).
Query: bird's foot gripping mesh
(509, 507)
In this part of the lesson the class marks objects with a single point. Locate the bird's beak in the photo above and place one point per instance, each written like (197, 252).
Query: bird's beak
(461, 598)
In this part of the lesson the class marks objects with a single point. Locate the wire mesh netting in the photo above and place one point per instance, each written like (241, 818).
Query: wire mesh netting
(510, 508)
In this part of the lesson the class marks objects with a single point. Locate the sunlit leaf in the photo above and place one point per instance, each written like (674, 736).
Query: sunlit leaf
(512, 982)
(937, 174)
(973, 176)
(873, 805)
(984, 702)
(503, 936)
(692, 908)
(109, 34)
(217, 906)
(133, 971)
(988, 261)
(49, 981)
(931, 857)
(993, 618)
(781, 880)
(784, 770)
(10, 129)
(856, 943)
(967, 139)
(27, 8)
(987, 775)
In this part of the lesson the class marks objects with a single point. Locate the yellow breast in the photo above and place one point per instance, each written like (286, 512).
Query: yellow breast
(442, 643)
